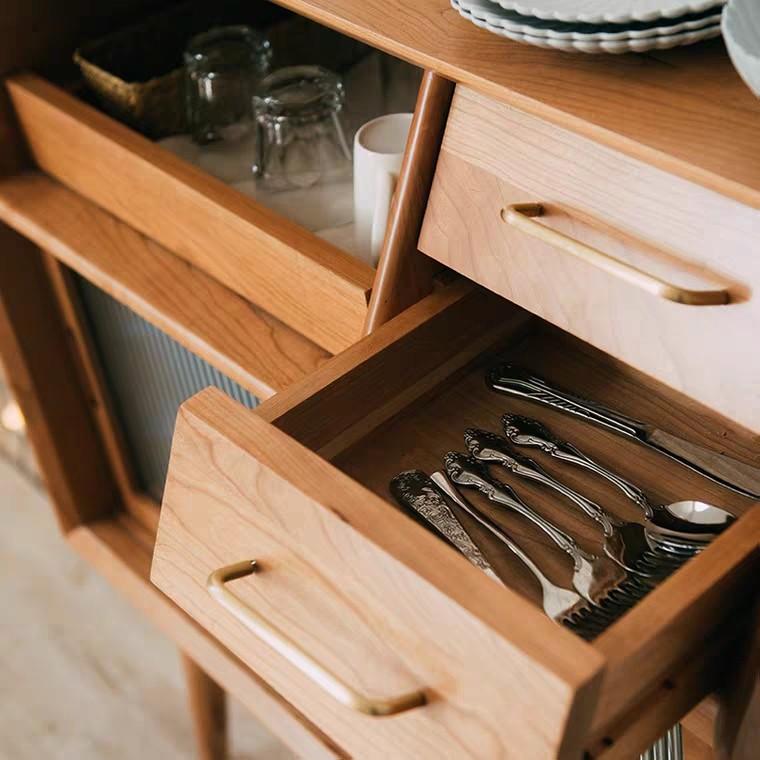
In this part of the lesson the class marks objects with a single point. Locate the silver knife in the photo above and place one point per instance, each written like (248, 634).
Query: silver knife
(737, 476)
(415, 490)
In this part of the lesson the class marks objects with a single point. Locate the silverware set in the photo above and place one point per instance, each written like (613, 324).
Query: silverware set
(635, 556)
(736, 476)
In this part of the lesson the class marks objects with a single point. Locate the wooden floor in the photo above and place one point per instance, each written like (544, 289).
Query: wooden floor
(82, 675)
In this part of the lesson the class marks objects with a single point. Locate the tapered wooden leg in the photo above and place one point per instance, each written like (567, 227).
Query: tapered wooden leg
(208, 708)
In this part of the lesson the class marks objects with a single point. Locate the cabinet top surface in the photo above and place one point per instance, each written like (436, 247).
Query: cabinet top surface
(685, 110)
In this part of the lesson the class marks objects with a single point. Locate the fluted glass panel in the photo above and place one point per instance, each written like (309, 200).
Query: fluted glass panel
(149, 375)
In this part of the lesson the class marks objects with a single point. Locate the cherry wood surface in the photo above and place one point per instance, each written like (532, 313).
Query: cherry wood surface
(121, 549)
(737, 728)
(420, 435)
(245, 342)
(314, 287)
(389, 412)
(208, 707)
(493, 156)
(685, 110)
(386, 620)
(95, 386)
(42, 370)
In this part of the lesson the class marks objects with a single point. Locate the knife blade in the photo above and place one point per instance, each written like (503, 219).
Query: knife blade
(727, 472)
(416, 491)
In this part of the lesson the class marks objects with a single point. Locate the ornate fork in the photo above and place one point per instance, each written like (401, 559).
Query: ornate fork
(427, 497)
(562, 605)
(594, 578)
(558, 603)
(624, 542)
(670, 526)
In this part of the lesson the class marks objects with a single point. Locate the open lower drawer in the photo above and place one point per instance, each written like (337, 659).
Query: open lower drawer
(355, 608)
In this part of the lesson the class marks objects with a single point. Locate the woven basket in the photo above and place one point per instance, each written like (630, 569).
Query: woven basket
(136, 74)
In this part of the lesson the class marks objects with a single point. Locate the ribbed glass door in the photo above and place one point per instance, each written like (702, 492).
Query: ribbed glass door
(149, 375)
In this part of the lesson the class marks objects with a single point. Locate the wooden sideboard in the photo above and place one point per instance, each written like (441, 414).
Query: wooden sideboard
(603, 212)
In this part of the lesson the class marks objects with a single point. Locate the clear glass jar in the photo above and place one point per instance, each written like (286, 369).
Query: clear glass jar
(223, 67)
(301, 141)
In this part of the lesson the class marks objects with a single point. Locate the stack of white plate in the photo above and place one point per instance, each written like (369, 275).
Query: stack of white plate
(597, 26)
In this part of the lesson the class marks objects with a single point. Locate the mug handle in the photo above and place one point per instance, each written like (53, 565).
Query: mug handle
(386, 185)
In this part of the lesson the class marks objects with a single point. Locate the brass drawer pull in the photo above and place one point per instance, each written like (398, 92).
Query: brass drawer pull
(522, 215)
(285, 646)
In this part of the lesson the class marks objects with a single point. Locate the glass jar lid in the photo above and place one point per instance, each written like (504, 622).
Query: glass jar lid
(229, 47)
(299, 94)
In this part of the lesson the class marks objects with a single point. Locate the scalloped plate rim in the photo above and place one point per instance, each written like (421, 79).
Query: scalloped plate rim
(526, 28)
(661, 42)
(608, 17)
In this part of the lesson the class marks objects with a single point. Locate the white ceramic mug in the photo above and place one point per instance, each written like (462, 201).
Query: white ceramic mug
(378, 151)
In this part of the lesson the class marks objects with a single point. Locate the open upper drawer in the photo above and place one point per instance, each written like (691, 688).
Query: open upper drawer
(355, 608)
(312, 285)
(650, 267)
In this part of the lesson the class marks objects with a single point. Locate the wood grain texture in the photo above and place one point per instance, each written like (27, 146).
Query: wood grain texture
(647, 654)
(690, 607)
(428, 426)
(95, 386)
(233, 472)
(493, 156)
(701, 720)
(694, 748)
(121, 551)
(403, 275)
(208, 709)
(250, 346)
(133, 499)
(309, 284)
(666, 705)
(365, 591)
(385, 372)
(40, 364)
(673, 109)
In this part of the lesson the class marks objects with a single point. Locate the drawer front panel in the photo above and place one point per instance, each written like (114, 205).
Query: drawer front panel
(354, 609)
(494, 157)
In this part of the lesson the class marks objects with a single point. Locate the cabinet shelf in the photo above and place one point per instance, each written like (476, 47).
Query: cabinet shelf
(245, 342)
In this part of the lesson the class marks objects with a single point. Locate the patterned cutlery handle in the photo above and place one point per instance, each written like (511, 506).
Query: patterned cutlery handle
(417, 492)
(488, 447)
(468, 472)
(525, 431)
(560, 604)
(519, 382)
(440, 480)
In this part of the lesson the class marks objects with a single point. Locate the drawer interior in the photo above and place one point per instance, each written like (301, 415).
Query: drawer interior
(406, 402)
(420, 435)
